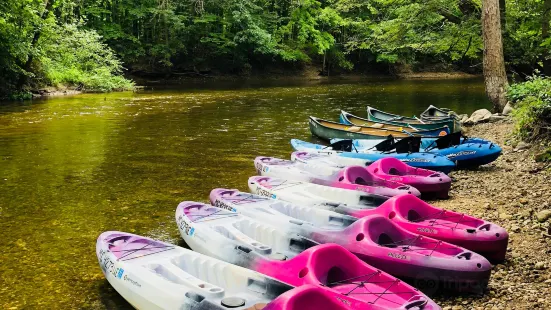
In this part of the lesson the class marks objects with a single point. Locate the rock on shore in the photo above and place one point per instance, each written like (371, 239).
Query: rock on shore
(514, 192)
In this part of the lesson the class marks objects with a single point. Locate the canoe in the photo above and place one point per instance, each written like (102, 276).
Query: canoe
(374, 239)
(329, 130)
(408, 211)
(398, 120)
(272, 250)
(352, 120)
(466, 153)
(427, 182)
(151, 274)
(351, 157)
(433, 113)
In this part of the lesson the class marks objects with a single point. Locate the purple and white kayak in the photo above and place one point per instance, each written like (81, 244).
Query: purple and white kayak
(374, 239)
(426, 181)
(408, 211)
(353, 177)
(151, 274)
(293, 259)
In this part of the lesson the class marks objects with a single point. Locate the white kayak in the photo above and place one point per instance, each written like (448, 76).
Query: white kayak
(288, 257)
(307, 194)
(352, 177)
(324, 163)
(151, 274)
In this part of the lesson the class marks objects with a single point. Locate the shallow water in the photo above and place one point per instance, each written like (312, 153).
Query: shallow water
(71, 168)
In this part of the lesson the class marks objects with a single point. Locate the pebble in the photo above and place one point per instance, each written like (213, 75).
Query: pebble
(509, 195)
(543, 215)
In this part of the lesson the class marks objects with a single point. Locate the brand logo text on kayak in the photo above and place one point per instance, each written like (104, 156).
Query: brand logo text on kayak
(462, 153)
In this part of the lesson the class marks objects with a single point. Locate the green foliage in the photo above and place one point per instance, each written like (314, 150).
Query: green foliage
(36, 50)
(72, 56)
(532, 112)
(81, 42)
(544, 156)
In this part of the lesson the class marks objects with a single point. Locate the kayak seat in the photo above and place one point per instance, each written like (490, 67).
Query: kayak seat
(361, 181)
(394, 171)
(357, 175)
(386, 241)
(413, 216)
(383, 231)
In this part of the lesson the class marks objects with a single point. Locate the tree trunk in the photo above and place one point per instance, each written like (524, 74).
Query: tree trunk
(495, 77)
(545, 17)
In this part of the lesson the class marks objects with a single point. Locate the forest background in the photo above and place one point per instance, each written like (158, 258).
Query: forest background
(93, 44)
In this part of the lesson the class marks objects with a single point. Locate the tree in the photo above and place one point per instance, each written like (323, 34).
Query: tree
(545, 36)
(495, 77)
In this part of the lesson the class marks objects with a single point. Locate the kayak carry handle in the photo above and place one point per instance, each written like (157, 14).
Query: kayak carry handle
(419, 304)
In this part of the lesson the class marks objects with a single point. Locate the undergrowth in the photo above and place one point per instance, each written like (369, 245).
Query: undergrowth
(532, 114)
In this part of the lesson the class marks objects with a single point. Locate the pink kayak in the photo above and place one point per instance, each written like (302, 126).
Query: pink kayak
(426, 181)
(467, 231)
(336, 269)
(224, 234)
(353, 177)
(375, 239)
(407, 211)
(310, 297)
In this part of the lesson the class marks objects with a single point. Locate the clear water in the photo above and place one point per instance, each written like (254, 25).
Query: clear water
(73, 167)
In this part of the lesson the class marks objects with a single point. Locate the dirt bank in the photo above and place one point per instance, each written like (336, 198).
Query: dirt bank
(510, 192)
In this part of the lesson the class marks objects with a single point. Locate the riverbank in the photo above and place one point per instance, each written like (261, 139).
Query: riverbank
(510, 192)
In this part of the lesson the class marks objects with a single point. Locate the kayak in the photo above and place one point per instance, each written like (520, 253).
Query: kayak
(312, 194)
(329, 130)
(389, 169)
(398, 120)
(310, 297)
(350, 157)
(408, 211)
(375, 239)
(426, 181)
(151, 274)
(352, 177)
(466, 153)
(415, 215)
(285, 256)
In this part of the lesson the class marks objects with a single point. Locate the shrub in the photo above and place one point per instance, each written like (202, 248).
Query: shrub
(532, 112)
(73, 56)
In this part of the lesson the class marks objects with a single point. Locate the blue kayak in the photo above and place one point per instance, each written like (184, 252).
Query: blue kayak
(345, 155)
(465, 152)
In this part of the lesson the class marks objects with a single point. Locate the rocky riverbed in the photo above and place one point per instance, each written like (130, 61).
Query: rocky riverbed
(514, 192)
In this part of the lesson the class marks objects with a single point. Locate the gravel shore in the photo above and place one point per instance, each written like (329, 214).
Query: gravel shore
(513, 192)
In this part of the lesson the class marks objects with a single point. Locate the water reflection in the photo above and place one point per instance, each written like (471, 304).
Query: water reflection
(71, 168)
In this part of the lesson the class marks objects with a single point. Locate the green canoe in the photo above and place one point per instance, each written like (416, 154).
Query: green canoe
(433, 113)
(398, 120)
(328, 130)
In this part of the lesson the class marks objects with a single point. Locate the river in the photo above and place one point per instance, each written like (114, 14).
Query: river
(73, 167)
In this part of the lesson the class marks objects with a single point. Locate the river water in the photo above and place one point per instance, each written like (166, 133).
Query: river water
(73, 167)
